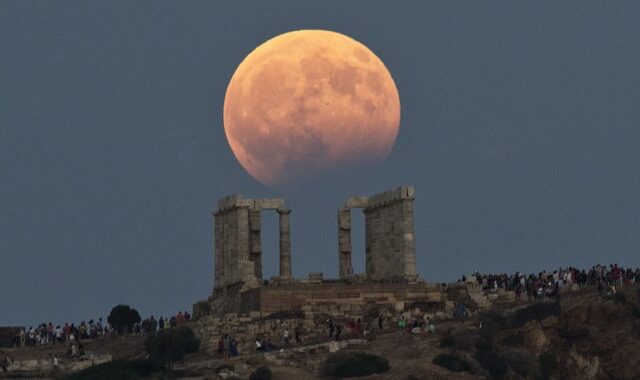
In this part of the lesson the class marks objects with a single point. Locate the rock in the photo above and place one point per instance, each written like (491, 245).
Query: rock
(227, 374)
(357, 342)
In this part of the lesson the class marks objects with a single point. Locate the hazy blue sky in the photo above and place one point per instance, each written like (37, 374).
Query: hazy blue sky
(520, 131)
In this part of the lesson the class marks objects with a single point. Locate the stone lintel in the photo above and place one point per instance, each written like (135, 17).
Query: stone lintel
(357, 202)
(391, 196)
(268, 204)
(233, 201)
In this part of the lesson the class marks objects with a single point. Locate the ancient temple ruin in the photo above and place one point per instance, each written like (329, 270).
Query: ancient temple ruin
(244, 305)
(239, 286)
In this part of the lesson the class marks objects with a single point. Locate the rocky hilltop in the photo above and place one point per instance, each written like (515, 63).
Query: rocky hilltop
(584, 334)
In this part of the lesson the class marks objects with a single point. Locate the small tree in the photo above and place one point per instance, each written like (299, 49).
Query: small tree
(122, 318)
(262, 373)
(167, 347)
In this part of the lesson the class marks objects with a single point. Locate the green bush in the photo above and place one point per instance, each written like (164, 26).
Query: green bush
(460, 338)
(521, 363)
(538, 311)
(166, 347)
(352, 364)
(493, 361)
(514, 340)
(123, 317)
(261, 373)
(453, 362)
(117, 369)
(548, 364)
(491, 323)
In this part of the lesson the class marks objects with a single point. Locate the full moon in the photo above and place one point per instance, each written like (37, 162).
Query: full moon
(309, 102)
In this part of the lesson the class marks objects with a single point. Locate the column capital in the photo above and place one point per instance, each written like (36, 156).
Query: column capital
(284, 210)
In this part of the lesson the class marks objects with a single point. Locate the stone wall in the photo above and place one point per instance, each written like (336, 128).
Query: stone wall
(318, 297)
(306, 306)
(340, 298)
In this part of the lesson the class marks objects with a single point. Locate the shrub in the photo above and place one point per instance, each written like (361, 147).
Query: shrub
(619, 297)
(261, 373)
(453, 362)
(117, 369)
(122, 318)
(547, 363)
(447, 341)
(491, 323)
(352, 364)
(492, 361)
(538, 311)
(166, 347)
(521, 363)
(460, 338)
(513, 340)
(192, 344)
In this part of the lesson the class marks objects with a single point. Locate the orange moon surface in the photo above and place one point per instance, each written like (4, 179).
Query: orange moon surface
(310, 102)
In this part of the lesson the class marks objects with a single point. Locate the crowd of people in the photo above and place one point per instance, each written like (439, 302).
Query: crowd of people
(46, 333)
(551, 284)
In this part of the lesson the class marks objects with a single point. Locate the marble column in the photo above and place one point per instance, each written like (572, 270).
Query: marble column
(285, 243)
(344, 243)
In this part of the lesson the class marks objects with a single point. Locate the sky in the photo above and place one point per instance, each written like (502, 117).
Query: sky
(520, 130)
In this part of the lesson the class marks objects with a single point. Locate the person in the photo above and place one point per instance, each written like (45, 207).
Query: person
(56, 363)
(402, 324)
(338, 332)
(50, 332)
(332, 327)
(220, 347)
(31, 336)
(227, 344)
(380, 321)
(4, 359)
(286, 337)
(460, 312)
(233, 348)
(161, 323)
(258, 345)
(59, 334)
(429, 326)
(298, 335)
(153, 324)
